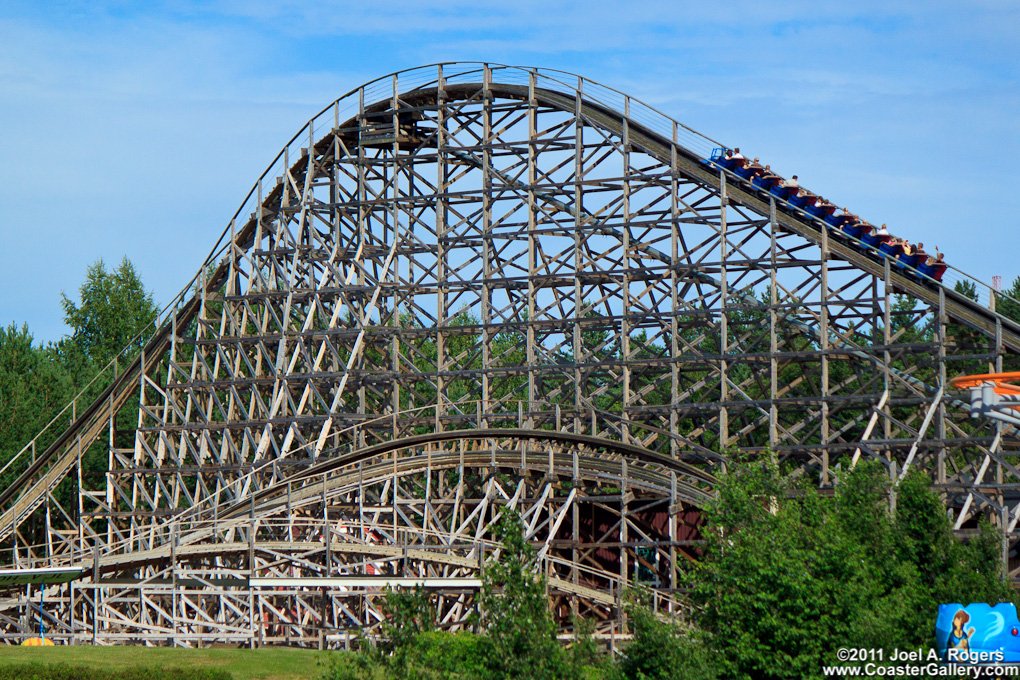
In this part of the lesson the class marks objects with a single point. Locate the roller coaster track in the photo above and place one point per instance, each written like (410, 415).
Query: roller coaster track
(202, 539)
(567, 439)
(30, 490)
(164, 555)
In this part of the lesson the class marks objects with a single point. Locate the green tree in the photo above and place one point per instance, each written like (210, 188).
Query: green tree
(966, 288)
(409, 614)
(1007, 303)
(112, 318)
(515, 610)
(111, 321)
(33, 389)
(662, 650)
(790, 576)
(38, 382)
(114, 308)
(518, 638)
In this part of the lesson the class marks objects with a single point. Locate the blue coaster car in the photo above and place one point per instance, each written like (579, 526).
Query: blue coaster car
(824, 212)
(978, 633)
(872, 240)
(910, 260)
(718, 158)
(801, 201)
(890, 250)
(853, 230)
(935, 271)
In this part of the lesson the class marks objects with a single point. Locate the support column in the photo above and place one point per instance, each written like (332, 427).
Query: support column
(625, 293)
(579, 307)
(773, 336)
(824, 347)
(674, 298)
(724, 426)
(532, 245)
(487, 249)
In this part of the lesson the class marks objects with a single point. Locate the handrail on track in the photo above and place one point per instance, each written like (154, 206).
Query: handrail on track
(421, 76)
(218, 503)
(659, 122)
(992, 294)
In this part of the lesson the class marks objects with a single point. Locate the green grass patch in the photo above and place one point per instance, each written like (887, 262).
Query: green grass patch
(241, 664)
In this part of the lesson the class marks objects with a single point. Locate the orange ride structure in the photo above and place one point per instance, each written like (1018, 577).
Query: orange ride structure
(993, 395)
(464, 288)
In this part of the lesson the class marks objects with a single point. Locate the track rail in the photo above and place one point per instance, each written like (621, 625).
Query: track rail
(627, 451)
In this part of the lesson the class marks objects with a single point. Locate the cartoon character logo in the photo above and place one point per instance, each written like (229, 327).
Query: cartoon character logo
(960, 638)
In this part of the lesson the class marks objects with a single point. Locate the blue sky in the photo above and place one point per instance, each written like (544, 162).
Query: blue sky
(136, 128)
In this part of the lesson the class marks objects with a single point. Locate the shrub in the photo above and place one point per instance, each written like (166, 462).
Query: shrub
(61, 671)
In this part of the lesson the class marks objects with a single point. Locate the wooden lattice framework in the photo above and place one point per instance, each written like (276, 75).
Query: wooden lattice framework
(462, 288)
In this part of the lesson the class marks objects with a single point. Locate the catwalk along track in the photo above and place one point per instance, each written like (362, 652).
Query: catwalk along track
(464, 288)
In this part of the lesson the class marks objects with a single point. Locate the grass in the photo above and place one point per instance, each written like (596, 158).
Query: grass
(242, 664)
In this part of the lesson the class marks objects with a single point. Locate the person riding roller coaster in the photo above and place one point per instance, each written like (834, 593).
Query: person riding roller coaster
(738, 158)
(824, 208)
(933, 266)
(789, 187)
(769, 179)
(892, 248)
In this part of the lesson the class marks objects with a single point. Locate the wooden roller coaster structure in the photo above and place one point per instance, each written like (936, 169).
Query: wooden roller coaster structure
(464, 288)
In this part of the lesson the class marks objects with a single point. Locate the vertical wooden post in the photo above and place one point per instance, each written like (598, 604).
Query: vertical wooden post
(724, 427)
